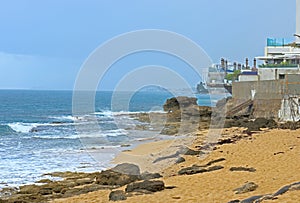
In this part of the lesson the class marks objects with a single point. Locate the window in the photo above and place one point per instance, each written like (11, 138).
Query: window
(281, 76)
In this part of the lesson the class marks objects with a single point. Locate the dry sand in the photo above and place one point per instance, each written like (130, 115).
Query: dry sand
(275, 155)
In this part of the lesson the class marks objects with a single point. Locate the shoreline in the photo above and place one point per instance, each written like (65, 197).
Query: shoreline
(274, 154)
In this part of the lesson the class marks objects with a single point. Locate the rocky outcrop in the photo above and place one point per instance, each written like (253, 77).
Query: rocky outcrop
(255, 125)
(82, 183)
(260, 198)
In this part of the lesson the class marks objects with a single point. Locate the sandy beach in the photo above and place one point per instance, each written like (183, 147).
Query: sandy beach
(273, 154)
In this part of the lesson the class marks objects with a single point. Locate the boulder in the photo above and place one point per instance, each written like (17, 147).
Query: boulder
(177, 102)
(152, 186)
(126, 168)
(111, 177)
(117, 195)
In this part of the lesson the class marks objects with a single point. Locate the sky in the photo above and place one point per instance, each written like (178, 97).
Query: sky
(44, 44)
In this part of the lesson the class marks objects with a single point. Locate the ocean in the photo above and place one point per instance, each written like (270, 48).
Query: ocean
(38, 133)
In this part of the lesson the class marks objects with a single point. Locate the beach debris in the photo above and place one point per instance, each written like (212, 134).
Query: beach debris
(240, 168)
(148, 185)
(276, 153)
(117, 195)
(248, 187)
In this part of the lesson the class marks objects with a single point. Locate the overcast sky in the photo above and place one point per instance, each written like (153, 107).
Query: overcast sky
(44, 43)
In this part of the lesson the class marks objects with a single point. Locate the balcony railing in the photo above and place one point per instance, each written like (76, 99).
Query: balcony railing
(279, 42)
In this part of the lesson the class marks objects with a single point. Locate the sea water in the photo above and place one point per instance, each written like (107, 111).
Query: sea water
(38, 133)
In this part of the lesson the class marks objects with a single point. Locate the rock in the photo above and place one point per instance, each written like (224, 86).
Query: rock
(225, 141)
(242, 169)
(176, 103)
(111, 177)
(234, 201)
(44, 181)
(152, 186)
(6, 192)
(215, 161)
(125, 145)
(180, 160)
(295, 186)
(83, 181)
(126, 168)
(166, 157)
(149, 176)
(214, 168)
(252, 199)
(192, 170)
(191, 152)
(248, 187)
(117, 195)
(282, 190)
(29, 189)
(45, 191)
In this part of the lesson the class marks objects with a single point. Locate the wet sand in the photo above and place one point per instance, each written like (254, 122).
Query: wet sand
(275, 154)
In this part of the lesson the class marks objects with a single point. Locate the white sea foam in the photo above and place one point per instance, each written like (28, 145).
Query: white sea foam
(22, 127)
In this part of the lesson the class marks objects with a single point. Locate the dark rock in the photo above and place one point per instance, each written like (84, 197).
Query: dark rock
(29, 189)
(166, 157)
(191, 152)
(126, 168)
(169, 187)
(251, 199)
(176, 103)
(225, 141)
(248, 187)
(234, 201)
(45, 191)
(214, 168)
(117, 195)
(152, 186)
(44, 181)
(215, 161)
(110, 177)
(282, 190)
(242, 169)
(192, 170)
(149, 176)
(180, 160)
(83, 181)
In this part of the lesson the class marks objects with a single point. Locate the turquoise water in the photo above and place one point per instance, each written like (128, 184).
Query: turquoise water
(38, 133)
